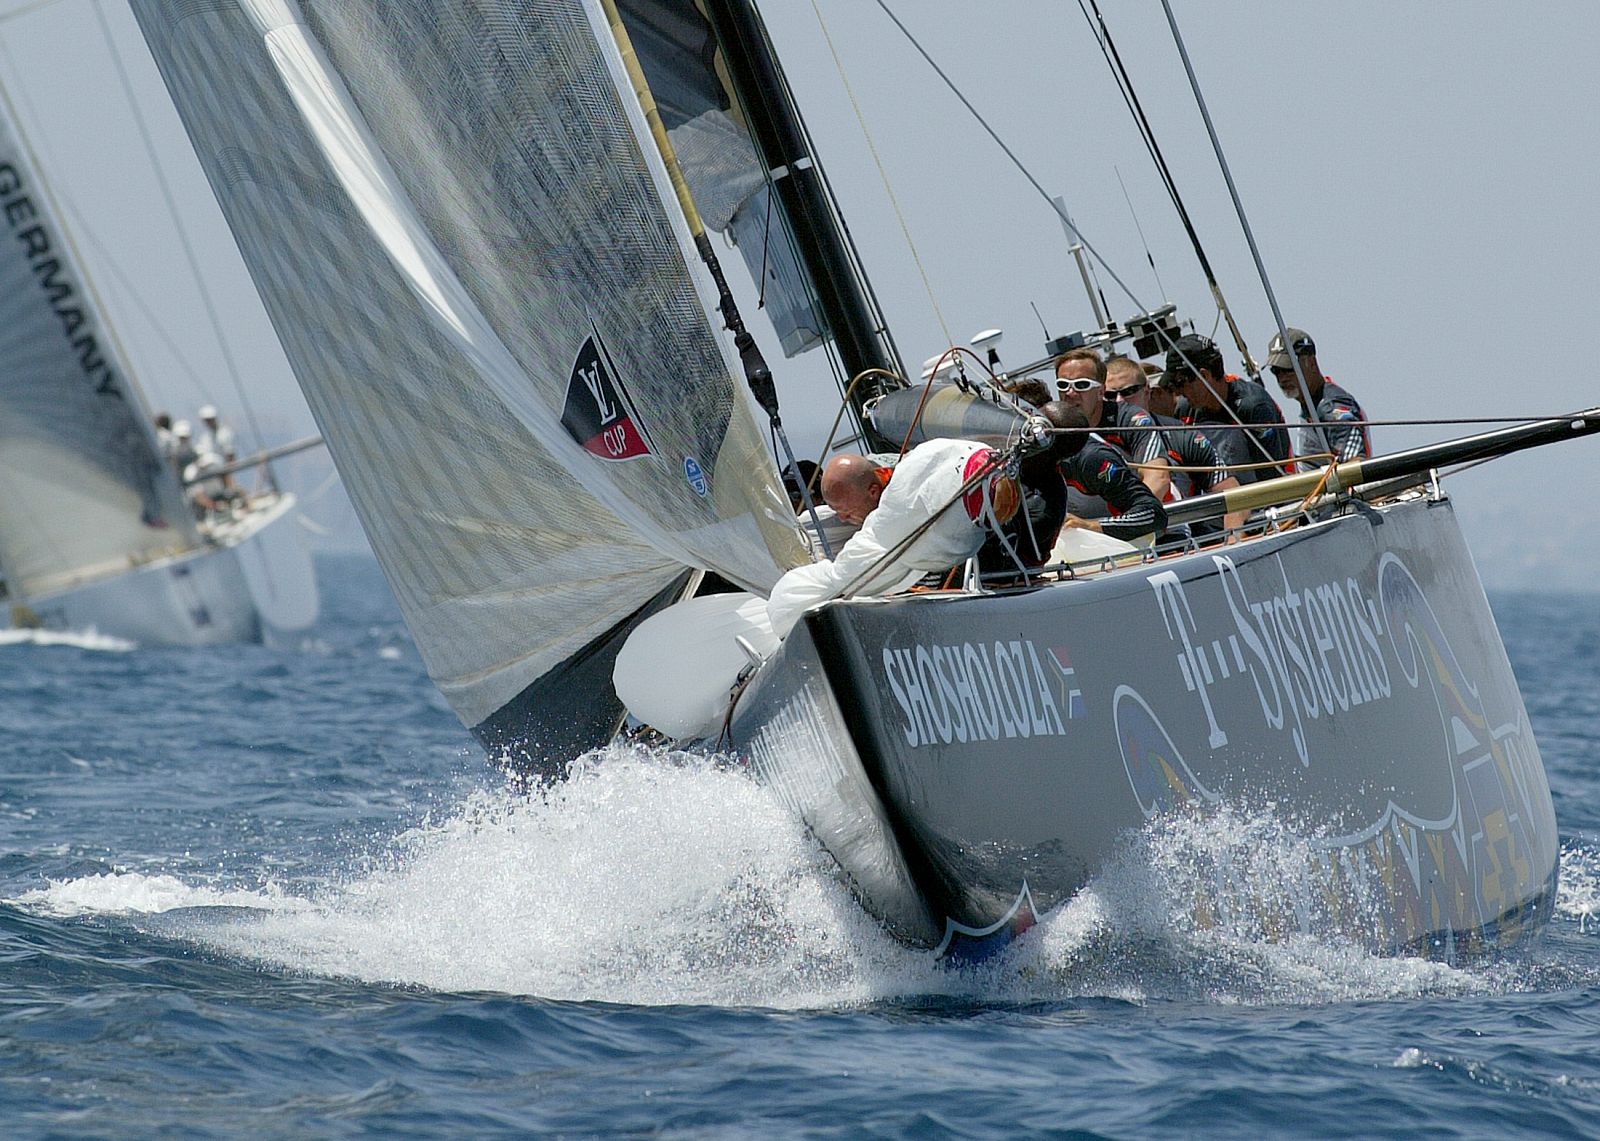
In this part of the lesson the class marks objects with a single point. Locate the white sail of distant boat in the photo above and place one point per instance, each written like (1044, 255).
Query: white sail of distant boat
(96, 530)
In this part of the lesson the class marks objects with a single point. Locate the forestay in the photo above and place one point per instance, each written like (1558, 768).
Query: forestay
(463, 246)
(84, 492)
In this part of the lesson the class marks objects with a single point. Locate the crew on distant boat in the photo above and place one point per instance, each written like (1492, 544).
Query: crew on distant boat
(187, 460)
(207, 493)
(1081, 381)
(1335, 407)
(1242, 421)
(182, 452)
(163, 422)
(216, 443)
(891, 505)
(215, 436)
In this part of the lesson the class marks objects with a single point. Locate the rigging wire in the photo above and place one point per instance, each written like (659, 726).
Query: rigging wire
(1143, 241)
(883, 174)
(953, 352)
(766, 246)
(874, 309)
(1244, 223)
(1124, 82)
(1008, 152)
(229, 363)
(82, 228)
(864, 374)
(831, 349)
(1059, 209)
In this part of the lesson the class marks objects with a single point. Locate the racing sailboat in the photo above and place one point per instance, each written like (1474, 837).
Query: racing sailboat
(481, 230)
(96, 530)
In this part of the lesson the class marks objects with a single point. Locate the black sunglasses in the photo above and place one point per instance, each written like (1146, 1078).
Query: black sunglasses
(1128, 391)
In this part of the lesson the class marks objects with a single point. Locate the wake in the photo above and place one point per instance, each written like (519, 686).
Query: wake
(655, 878)
(78, 639)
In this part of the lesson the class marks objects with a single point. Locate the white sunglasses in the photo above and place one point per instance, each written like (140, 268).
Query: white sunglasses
(1081, 384)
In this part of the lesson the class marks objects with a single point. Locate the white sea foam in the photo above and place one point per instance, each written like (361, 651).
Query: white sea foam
(643, 879)
(130, 893)
(79, 639)
(1578, 895)
(1221, 907)
(661, 879)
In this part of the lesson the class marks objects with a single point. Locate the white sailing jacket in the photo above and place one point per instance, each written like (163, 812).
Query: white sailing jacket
(927, 478)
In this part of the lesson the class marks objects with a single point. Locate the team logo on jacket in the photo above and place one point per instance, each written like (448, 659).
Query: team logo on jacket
(599, 413)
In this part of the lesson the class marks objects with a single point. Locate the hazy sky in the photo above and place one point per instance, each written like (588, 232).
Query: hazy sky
(1419, 177)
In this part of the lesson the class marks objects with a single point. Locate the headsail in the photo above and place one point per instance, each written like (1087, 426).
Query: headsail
(463, 246)
(84, 492)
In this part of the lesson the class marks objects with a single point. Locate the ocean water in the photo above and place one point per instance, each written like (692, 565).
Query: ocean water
(277, 892)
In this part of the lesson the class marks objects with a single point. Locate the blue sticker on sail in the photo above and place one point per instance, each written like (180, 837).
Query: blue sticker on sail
(696, 476)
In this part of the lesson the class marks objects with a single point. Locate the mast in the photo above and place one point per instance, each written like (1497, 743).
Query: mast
(774, 125)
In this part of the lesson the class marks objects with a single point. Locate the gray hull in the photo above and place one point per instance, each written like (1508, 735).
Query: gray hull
(969, 759)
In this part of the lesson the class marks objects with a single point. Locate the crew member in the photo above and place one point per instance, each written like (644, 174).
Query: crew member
(923, 492)
(164, 441)
(1335, 407)
(216, 444)
(1239, 417)
(1076, 459)
(1081, 380)
(183, 451)
(1192, 458)
(1030, 389)
(215, 436)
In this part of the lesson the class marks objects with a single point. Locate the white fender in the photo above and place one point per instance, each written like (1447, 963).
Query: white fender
(676, 668)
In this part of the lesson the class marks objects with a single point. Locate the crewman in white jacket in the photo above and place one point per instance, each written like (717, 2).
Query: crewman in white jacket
(892, 503)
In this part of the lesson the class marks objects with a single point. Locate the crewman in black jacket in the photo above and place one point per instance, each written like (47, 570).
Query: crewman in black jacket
(1074, 458)
(1239, 417)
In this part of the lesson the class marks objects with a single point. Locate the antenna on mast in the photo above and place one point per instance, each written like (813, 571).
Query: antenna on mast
(1148, 256)
(1040, 316)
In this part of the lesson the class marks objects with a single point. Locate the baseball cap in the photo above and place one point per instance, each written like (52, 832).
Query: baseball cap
(208, 412)
(1187, 353)
(1299, 341)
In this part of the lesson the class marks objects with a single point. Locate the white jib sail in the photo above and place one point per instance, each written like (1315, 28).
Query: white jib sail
(463, 247)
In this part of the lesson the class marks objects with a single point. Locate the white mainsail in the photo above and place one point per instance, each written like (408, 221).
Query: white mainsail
(462, 242)
(84, 491)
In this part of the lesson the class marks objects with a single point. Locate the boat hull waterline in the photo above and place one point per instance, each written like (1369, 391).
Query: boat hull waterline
(972, 760)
